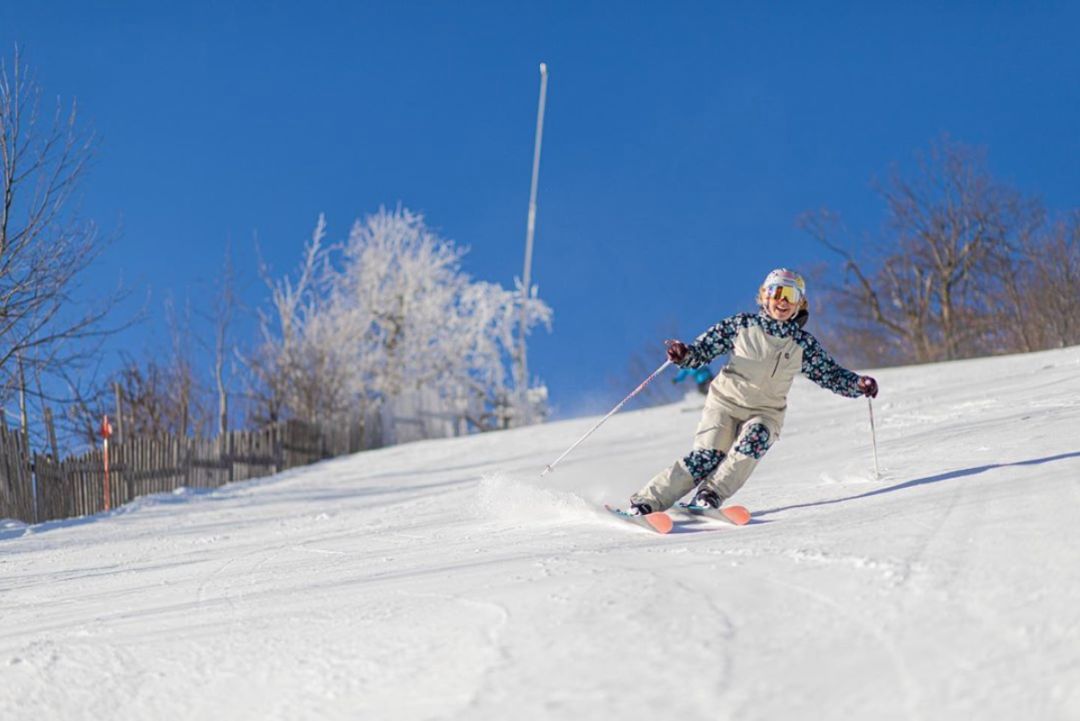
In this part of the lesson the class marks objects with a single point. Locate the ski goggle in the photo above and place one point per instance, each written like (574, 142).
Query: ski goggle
(789, 293)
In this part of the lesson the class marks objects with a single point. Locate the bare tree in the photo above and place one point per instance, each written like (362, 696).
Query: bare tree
(44, 244)
(151, 404)
(189, 396)
(225, 307)
(1041, 290)
(931, 286)
(1055, 286)
(161, 394)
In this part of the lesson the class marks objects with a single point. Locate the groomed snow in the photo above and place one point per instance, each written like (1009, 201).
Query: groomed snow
(446, 580)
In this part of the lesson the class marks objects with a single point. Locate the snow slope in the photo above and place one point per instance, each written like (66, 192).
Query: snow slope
(445, 580)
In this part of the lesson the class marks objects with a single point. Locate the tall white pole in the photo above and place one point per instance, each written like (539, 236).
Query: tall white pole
(530, 229)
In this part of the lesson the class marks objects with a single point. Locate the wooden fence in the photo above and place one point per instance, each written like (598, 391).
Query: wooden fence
(35, 487)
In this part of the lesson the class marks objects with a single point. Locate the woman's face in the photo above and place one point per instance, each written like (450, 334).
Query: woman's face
(781, 308)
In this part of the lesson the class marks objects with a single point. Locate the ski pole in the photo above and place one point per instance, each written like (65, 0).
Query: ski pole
(614, 410)
(873, 437)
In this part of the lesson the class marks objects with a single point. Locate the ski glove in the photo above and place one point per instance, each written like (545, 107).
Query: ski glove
(676, 351)
(867, 386)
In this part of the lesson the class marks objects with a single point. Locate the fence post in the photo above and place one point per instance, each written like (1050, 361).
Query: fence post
(229, 455)
(50, 427)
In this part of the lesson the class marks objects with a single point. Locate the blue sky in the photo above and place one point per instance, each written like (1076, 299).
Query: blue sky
(681, 141)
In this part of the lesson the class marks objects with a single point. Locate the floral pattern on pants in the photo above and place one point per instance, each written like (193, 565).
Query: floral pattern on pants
(755, 440)
(702, 462)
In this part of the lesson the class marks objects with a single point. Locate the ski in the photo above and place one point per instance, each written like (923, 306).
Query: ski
(658, 522)
(734, 515)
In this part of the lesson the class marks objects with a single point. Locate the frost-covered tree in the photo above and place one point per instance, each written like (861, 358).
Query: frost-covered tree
(389, 323)
(296, 372)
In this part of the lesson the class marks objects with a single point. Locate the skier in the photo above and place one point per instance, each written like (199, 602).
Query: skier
(745, 406)
(702, 376)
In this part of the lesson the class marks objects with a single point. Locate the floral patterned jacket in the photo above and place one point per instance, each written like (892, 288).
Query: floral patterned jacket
(765, 355)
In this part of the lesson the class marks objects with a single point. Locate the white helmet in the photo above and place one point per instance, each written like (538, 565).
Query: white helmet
(782, 278)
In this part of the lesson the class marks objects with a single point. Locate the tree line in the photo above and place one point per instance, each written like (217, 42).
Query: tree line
(384, 327)
(963, 266)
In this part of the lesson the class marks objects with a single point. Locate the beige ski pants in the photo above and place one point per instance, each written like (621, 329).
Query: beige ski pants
(738, 440)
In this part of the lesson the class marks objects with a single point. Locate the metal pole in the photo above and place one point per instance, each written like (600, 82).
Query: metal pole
(873, 437)
(530, 230)
(614, 410)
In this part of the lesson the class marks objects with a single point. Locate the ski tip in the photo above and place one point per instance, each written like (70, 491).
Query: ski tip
(661, 522)
(738, 515)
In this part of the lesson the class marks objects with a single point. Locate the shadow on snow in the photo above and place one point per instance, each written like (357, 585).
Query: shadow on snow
(975, 470)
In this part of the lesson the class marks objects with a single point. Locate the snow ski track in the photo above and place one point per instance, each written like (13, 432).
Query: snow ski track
(845, 612)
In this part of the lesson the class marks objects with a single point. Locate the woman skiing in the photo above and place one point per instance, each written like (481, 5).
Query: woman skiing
(744, 409)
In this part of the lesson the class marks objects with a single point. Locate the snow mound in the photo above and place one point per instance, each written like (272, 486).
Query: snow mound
(500, 496)
(11, 528)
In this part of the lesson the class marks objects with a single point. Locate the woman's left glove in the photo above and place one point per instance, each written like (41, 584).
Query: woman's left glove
(867, 386)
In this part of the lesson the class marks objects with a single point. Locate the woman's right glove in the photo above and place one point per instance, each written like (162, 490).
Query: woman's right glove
(867, 386)
(676, 351)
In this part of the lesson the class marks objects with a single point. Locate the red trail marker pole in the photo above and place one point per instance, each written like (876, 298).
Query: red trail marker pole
(106, 433)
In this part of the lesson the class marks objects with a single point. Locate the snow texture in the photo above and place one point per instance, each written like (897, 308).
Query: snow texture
(444, 580)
